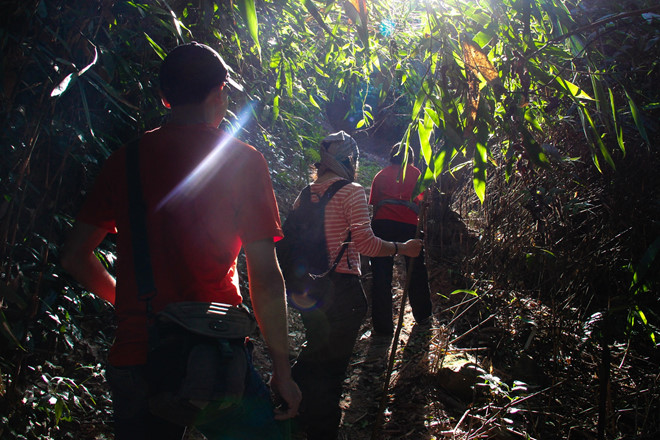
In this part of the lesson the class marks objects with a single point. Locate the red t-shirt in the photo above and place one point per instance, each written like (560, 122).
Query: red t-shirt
(206, 194)
(389, 184)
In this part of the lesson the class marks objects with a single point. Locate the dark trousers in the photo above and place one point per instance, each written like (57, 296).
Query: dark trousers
(253, 419)
(132, 418)
(381, 268)
(331, 330)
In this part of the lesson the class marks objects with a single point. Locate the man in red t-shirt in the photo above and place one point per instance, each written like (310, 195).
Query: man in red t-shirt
(395, 219)
(207, 195)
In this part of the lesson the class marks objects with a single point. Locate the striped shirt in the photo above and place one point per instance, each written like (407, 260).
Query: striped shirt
(347, 209)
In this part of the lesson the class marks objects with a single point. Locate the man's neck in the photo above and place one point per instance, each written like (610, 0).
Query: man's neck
(191, 114)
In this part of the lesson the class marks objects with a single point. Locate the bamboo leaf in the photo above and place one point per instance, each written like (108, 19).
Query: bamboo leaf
(313, 102)
(419, 101)
(249, 13)
(313, 10)
(573, 89)
(533, 150)
(469, 292)
(159, 50)
(641, 315)
(478, 62)
(529, 117)
(276, 107)
(275, 59)
(637, 118)
(433, 115)
(597, 139)
(479, 170)
(424, 129)
(617, 126)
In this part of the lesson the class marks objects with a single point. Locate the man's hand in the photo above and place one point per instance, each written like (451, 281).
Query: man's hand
(269, 304)
(288, 391)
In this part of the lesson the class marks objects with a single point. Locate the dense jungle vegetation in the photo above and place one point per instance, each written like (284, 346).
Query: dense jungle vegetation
(535, 123)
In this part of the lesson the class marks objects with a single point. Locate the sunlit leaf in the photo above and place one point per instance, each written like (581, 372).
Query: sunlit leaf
(159, 50)
(275, 59)
(529, 117)
(469, 292)
(478, 62)
(419, 101)
(641, 315)
(276, 107)
(249, 13)
(617, 126)
(482, 38)
(313, 102)
(433, 115)
(574, 90)
(424, 129)
(479, 171)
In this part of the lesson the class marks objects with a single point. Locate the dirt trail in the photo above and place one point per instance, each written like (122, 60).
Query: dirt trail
(410, 404)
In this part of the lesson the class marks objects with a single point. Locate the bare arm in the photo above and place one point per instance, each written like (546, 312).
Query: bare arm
(410, 248)
(268, 301)
(79, 260)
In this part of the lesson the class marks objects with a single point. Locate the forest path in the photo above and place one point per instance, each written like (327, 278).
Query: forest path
(411, 404)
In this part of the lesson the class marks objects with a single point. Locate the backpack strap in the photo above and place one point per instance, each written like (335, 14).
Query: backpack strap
(325, 198)
(137, 215)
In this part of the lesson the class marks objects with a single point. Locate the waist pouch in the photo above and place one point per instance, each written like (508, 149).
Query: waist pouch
(197, 362)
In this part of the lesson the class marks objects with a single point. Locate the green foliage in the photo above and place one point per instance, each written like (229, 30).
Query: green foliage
(474, 85)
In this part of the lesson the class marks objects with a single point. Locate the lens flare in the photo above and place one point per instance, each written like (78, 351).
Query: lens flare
(387, 27)
(199, 177)
(302, 301)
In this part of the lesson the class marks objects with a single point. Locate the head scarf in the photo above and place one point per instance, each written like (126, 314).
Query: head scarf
(339, 153)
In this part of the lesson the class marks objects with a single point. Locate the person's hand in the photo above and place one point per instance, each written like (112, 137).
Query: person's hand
(288, 391)
(411, 248)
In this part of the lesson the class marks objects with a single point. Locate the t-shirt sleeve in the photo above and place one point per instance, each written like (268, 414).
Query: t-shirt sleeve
(355, 209)
(98, 209)
(258, 217)
(374, 193)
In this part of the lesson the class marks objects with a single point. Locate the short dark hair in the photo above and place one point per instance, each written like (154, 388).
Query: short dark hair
(396, 156)
(189, 73)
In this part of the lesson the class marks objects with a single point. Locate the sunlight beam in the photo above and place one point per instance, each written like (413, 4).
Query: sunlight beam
(200, 176)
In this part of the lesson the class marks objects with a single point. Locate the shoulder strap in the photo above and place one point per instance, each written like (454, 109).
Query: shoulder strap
(332, 190)
(306, 193)
(137, 215)
(325, 198)
(408, 204)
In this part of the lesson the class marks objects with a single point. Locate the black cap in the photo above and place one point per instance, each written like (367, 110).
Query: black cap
(190, 71)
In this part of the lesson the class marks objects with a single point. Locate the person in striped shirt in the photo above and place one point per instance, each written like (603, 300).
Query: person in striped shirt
(333, 316)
